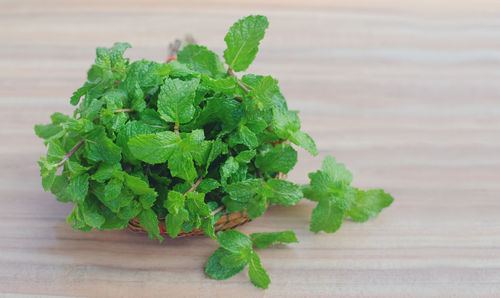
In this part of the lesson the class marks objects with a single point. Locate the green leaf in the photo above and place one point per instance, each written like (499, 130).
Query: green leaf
(305, 141)
(229, 167)
(148, 200)
(78, 188)
(244, 190)
(174, 222)
(233, 206)
(280, 158)
(175, 202)
(243, 40)
(149, 221)
(207, 185)
(245, 156)
(263, 92)
(256, 206)
(138, 186)
(176, 100)
(235, 260)
(368, 204)
(257, 273)
(113, 189)
(244, 136)
(59, 188)
(202, 60)
(207, 225)
(221, 109)
(154, 148)
(282, 192)
(215, 270)
(337, 171)
(132, 129)
(101, 148)
(48, 173)
(91, 215)
(49, 131)
(181, 165)
(195, 203)
(326, 217)
(105, 171)
(262, 240)
(234, 241)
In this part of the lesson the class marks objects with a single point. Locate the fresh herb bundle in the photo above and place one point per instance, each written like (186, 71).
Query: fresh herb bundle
(182, 140)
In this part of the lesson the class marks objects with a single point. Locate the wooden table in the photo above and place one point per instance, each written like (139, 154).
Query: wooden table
(406, 95)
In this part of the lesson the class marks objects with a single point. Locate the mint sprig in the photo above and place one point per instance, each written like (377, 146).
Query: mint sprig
(236, 252)
(182, 141)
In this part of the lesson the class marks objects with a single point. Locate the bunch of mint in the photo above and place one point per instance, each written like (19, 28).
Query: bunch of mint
(184, 140)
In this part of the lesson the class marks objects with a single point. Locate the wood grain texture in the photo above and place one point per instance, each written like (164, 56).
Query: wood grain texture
(406, 93)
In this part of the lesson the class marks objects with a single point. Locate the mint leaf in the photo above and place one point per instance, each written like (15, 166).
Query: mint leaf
(175, 202)
(174, 222)
(195, 203)
(78, 188)
(101, 148)
(207, 185)
(49, 131)
(234, 260)
(337, 171)
(149, 221)
(262, 240)
(176, 100)
(263, 92)
(368, 204)
(139, 186)
(181, 165)
(244, 190)
(326, 217)
(282, 192)
(154, 148)
(217, 271)
(202, 60)
(245, 156)
(234, 241)
(303, 140)
(280, 158)
(243, 40)
(256, 206)
(257, 273)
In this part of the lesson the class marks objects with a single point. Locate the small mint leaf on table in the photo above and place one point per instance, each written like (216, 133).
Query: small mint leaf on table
(263, 240)
(257, 273)
(217, 271)
(234, 241)
(326, 217)
(330, 187)
(368, 204)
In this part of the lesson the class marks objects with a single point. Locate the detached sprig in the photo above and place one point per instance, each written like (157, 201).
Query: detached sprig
(184, 140)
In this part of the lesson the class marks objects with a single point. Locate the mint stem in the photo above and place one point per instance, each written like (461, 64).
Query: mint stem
(194, 186)
(231, 74)
(67, 156)
(124, 111)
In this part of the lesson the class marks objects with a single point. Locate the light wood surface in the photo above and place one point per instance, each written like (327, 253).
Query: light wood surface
(405, 93)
